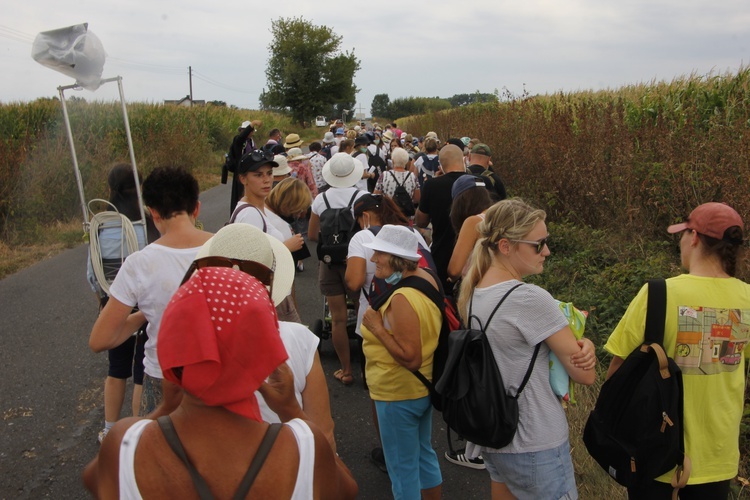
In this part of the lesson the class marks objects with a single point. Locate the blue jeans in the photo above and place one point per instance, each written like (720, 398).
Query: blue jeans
(540, 474)
(405, 431)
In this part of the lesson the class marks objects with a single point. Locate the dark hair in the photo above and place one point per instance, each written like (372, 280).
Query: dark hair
(315, 146)
(430, 145)
(273, 132)
(170, 191)
(123, 195)
(122, 192)
(388, 212)
(473, 201)
(726, 249)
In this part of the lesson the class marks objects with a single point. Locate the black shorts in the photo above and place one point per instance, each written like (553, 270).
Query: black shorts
(126, 360)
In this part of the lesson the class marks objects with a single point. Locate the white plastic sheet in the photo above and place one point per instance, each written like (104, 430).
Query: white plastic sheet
(73, 51)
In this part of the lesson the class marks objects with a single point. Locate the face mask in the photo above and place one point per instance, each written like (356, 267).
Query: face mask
(376, 141)
(394, 278)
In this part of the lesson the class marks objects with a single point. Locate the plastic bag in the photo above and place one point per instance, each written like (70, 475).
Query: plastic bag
(73, 51)
(558, 377)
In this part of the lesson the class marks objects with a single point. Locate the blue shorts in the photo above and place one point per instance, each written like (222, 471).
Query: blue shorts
(539, 474)
(405, 431)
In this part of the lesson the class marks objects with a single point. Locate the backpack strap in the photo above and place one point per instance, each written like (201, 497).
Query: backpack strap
(656, 312)
(204, 492)
(492, 314)
(237, 211)
(325, 200)
(260, 457)
(528, 371)
(167, 428)
(351, 201)
(393, 174)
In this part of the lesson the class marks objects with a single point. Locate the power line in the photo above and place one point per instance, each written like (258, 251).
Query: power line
(16, 35)
(211, 81)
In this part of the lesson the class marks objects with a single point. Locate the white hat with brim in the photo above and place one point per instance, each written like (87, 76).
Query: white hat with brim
(342, 171)
(283, 167)
(246, 242)
(396, 240)
(295, 154)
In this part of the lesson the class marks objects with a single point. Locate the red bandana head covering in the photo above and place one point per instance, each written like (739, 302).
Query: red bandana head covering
(221, 328)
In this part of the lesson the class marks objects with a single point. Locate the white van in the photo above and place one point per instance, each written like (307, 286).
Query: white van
(321, 121)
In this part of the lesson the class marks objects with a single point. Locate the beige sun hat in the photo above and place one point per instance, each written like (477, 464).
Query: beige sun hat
(295, 154)
(342, 171)
(283, 167)
(388, 136)
(246, 242)
(293, 141)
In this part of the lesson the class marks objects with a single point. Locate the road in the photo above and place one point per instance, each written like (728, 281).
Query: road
(51, 383)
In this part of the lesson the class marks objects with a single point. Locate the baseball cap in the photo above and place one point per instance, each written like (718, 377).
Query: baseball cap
(464, 183)
(481, 149)
(711, 219)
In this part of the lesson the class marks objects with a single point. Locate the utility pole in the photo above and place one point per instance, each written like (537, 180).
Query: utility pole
(190, 74)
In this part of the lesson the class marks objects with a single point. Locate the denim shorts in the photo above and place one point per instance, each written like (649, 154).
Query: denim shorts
(539, 474)
(151, 396)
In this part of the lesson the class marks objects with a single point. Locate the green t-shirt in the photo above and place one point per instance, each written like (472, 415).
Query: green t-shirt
(707, 331)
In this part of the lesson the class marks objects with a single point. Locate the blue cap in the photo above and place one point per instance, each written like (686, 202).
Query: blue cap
(464, 183)
(339, 131)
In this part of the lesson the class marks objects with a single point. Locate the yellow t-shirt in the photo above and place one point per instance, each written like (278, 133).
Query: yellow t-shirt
(386, 379)
(706, 332)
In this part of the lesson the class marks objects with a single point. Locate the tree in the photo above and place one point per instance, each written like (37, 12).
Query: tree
(379, 106)
(307, 73)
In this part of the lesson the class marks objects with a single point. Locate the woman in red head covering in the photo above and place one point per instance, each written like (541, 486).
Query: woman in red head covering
(215, 442)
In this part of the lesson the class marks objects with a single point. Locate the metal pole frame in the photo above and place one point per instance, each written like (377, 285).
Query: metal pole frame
(76, 169)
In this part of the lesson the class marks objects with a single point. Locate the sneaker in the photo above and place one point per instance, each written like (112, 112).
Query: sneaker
(102, 434)
(459, 458)
(300, 266)
(378, 458)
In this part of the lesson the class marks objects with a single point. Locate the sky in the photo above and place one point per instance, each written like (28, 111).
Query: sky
(406, 48)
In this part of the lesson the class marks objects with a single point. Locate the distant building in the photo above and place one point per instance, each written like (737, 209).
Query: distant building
(185, 101)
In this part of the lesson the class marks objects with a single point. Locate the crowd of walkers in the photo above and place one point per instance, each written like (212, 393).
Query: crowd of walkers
(234, 400)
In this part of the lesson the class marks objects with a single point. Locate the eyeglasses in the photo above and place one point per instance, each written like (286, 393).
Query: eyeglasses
(255, 269)
(538, 244)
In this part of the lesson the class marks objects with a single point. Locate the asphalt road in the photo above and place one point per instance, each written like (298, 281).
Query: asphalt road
(51, 384)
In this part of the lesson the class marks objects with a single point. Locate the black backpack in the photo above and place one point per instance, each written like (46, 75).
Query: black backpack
(635, 431)
(401, 196)
(326, 151)
(475, 402)
(377, 163)
(335, 232)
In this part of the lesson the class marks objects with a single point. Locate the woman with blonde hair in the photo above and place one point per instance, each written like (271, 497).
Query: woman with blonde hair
(287, 203)
(512, 244)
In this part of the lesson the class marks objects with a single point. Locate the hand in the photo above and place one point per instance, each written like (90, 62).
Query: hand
(278, 392)
(372, 319)
(586, 357)
(295, 242)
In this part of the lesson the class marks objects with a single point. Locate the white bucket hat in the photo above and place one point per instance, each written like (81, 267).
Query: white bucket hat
(342, 171)
(295, 154)
(283, 167)
(246, 242)
(396, 240)
(328, 138)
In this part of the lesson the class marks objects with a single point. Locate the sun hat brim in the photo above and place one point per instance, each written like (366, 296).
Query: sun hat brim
(296, 144)
(283, 273)
(385, 247)
(343, 182)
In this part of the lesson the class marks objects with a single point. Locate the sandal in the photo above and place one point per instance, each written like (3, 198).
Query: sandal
(344, 378)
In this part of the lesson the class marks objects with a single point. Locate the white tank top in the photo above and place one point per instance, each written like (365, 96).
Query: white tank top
(303, 489)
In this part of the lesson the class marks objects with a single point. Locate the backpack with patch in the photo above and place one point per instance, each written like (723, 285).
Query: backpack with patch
(440, 355)
(428, 169)
(488, 177)
(335, 232)
(326, 151)
(401, 196)
(635, 431)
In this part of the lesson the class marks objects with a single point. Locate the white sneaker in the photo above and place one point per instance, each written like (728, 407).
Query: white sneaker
(102, 435)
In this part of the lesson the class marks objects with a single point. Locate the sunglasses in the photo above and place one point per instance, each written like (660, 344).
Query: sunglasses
(256, 155)
(255, 269)
(538, 244)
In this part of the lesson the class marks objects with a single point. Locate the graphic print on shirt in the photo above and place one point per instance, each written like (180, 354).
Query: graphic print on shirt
(711, 341)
